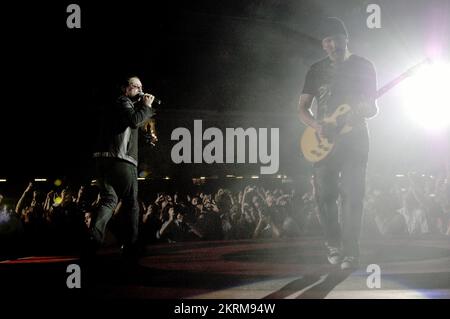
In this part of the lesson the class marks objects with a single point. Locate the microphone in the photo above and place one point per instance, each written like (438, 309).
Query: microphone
(141, 94)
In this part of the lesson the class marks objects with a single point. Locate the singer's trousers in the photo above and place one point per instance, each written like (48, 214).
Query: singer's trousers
(117, 179)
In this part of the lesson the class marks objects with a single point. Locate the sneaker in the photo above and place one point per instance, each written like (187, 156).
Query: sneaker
(334, 255)
(350, 263)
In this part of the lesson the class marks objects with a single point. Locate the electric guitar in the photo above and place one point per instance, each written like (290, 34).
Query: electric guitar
(316, 148)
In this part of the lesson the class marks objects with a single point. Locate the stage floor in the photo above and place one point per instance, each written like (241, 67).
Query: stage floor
(248, 269)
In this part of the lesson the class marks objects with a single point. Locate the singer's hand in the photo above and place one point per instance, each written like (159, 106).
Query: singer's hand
(148, 99)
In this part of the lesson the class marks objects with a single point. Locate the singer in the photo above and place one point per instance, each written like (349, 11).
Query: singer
(116, 160)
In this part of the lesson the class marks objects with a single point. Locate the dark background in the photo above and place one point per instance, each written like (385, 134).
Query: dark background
(231, 63)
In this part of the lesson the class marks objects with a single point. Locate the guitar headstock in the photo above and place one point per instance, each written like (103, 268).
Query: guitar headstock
(416, 67)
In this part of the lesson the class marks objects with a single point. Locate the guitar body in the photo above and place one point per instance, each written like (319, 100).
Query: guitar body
(316, 148)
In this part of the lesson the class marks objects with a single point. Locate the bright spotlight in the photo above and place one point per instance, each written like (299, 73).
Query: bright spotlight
(426, 97)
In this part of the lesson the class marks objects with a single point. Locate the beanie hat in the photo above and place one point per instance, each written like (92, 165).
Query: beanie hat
(332, 26)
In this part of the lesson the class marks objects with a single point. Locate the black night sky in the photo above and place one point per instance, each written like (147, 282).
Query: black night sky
(219, 57)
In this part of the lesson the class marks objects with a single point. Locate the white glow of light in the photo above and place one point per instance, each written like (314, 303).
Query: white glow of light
(426, 96)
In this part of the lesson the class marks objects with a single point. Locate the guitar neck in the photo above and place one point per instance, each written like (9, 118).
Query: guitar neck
(390, 85)
(400, 78)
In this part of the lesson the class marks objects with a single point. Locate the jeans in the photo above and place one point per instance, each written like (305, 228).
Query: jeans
(117, 179)
(342, 174)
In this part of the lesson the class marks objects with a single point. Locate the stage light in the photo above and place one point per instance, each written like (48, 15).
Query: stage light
(141, 178)
(58, 182)
(426, 97)
(40, 179)
(255, 176)
(2, 180)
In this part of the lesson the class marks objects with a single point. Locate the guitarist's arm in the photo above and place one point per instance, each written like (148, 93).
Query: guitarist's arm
(304, 112)
(368, 107)
(365, 109)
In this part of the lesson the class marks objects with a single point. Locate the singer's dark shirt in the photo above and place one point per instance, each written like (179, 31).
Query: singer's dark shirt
(118, 136)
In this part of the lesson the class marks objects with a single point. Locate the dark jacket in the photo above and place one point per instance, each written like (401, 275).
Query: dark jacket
(118, 137)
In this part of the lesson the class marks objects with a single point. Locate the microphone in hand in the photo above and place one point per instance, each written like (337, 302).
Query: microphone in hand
(157, 101)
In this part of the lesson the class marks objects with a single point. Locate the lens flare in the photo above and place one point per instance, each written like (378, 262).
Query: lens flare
(426, 96)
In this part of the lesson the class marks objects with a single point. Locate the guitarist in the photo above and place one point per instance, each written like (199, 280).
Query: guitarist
(341, 77)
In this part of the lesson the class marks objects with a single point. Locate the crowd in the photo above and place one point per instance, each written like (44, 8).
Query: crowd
(411, 205)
